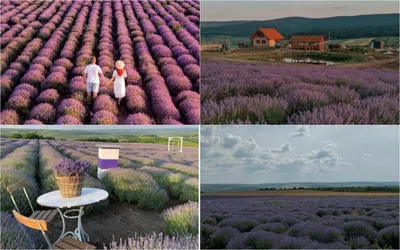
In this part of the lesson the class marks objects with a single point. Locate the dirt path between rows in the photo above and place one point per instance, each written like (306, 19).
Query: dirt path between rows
(119, 221)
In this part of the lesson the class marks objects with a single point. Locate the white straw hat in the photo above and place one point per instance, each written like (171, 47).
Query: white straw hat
(119, 64)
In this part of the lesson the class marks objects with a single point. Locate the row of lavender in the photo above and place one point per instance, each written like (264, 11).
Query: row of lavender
(47, 156)
(157, 40)
(244, 93)
(179, 181)
(300, 222)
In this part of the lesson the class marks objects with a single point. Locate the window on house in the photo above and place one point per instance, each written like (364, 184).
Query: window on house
(262, 41)
(257, 41)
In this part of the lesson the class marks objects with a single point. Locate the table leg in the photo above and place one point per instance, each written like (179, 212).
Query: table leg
(63, 222)
(78, 233)
(83, 236)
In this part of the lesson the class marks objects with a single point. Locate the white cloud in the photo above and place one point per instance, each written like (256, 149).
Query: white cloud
(230, 141)
(366, 156)
(302, 131)
(284, 148)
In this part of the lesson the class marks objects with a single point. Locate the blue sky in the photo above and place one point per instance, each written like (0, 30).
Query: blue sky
(270, 154)
(212, 10)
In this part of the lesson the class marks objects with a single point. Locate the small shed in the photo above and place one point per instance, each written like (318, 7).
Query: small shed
(266, 37)
(108, 158)
(377, 44)
(308, 42)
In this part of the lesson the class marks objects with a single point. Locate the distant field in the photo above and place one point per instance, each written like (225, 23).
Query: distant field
(298, 193)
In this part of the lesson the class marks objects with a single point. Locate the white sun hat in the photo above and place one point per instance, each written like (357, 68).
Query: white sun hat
(119, 64)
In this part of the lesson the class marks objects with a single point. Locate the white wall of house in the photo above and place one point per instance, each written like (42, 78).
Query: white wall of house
(263, 41)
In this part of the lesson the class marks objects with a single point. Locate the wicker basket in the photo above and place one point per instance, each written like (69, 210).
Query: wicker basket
(70, 186)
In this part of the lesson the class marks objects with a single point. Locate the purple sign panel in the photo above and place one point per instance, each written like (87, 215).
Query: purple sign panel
(108, 163)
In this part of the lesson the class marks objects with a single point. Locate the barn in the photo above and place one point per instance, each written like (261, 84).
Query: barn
(308, 42)
(266, 37)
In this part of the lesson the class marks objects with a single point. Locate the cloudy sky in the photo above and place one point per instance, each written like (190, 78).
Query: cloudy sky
(273, 154)
(226, 10)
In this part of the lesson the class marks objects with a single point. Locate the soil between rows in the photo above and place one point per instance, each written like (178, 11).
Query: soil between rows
(117, 221)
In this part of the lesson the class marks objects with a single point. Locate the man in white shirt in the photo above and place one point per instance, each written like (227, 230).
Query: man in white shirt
(92, 76)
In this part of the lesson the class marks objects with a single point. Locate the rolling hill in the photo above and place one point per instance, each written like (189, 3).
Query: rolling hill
(340, 27)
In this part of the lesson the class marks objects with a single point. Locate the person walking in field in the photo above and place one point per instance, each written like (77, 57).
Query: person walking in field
(92, 76)
(118, 77)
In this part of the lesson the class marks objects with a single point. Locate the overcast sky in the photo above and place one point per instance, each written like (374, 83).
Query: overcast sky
(226, 10)
(276, 154)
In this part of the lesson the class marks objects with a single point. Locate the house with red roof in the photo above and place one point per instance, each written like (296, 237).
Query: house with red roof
(308, 42)
(266, 37)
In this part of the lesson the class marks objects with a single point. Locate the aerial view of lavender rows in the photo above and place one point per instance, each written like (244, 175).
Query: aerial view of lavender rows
(153, 194)
(288, 222)
(46, 45)
(248, 93)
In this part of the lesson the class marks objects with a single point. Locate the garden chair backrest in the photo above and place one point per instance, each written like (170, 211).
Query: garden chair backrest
(16, 186)
(34, 224)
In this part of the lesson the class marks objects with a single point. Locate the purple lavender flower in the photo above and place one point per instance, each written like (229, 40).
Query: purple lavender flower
(69, 167)
(9, 117)
(48, 96)
(72, 107)
(104, 117)
(68, 120)
(43, 112)
(139, 119)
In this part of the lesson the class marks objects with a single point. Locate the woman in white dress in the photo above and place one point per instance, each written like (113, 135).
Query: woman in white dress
(118, 77)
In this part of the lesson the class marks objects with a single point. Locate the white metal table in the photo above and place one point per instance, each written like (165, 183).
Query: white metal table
(88, 196)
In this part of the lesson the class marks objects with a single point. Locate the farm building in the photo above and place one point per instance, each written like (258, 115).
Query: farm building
(377, 44)
(308, 42)
(266, 37)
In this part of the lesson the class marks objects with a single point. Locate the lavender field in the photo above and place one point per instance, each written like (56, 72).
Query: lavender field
(288, 222)
(245, 93)
(154, 188)
(45, 46)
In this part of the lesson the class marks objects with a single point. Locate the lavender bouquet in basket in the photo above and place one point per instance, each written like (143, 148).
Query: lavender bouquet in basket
(70, 175)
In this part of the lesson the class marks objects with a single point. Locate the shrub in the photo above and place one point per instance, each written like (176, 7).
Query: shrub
(104, 117)
(9, 117)
(105, 102)
(181, 169)
(19, 103)
(354, 229)
(139, 119)
(190, 190)
(72, 107)
(14, 236)
(182, 220)
(222, 236)
(43, 112)
(33, 122)
(243, 225)
(68, 120)
(50, 96)
(389, 237)
(136, 187)
(159, 242)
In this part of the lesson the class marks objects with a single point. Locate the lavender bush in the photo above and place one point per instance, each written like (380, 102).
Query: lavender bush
(309, 95)
(155, 241)
(182, 220)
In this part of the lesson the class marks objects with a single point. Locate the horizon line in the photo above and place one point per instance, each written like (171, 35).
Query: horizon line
(260, 20)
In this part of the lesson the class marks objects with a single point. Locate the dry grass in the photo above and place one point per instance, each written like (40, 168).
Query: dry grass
(298, 193)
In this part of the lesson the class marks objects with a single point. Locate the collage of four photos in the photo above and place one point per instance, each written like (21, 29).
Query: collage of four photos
(199, 124)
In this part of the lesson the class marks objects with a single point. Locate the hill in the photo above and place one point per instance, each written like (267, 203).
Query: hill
(340, 27)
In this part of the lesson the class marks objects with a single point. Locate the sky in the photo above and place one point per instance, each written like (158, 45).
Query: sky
(228, 10)
(279, 154)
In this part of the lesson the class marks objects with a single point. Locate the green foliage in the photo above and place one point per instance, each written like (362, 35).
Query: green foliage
(379, 25)
(190, 190)
(330, 56)
(129, 185)
(182, 220)
(385, 189)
